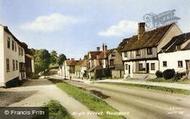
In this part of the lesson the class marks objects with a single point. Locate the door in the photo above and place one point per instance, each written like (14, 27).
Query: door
(147, 67)
(188, 67)
(129, 69)
(188, 64)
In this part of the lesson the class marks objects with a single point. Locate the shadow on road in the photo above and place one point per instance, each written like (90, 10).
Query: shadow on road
(36, 82)
(10, 97)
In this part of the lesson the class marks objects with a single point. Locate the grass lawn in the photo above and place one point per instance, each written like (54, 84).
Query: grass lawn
(57, 111)
(91, 101)
(160, 88)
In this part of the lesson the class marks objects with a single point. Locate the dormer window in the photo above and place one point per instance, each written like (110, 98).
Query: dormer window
(149, 51)
(178, 47)
(113, 54)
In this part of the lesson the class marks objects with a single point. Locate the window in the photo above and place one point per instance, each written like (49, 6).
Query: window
(178, 47)
(164, 63)
(111, 62)
(125, 54)
(13, 45)
(149, 51)
(140, 67)
(8, 42)
(180, 64)
(7, 65)
(138, 53)
(126, 66)
(113, 55)
(152, 66)
(21, 52)
(16, 65)
(13, 65)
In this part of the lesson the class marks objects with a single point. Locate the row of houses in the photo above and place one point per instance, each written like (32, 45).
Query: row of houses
(103, 62)
(16, 63)
(139, 56)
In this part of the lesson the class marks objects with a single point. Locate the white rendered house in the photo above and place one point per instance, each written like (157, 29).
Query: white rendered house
(12, 57)
(176, 54)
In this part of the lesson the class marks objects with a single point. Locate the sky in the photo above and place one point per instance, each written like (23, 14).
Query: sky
(74, 27)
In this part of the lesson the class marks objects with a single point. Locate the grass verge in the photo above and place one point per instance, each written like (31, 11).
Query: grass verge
(57, 111)
(160, 88)
(183, 81)
(91, 101)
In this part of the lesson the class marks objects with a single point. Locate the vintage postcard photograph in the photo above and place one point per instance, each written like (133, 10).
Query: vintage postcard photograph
(94, 59)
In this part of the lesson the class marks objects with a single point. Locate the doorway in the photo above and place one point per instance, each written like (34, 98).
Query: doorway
(129, 69)
(147, 67)
(188, 68)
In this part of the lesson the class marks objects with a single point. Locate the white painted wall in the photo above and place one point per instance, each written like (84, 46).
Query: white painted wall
(10, 54)
(126, 69)
(2, 66)
(172, 60)
(133, 67)
(156, 62)
(65, 70)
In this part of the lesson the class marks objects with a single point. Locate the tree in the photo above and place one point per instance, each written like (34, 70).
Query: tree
(53, 57)
(61, 59)
(42, 60)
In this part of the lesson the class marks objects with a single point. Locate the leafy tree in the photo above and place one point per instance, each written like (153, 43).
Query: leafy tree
(42, 60)
(53, 57)
(61, 59)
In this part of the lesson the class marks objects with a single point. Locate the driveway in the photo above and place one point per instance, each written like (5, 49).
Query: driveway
(38, 92)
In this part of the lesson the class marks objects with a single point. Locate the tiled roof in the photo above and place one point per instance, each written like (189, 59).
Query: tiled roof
(148, 39)
(94, 54)
(177, 41)
(104, 54)
(71, 62)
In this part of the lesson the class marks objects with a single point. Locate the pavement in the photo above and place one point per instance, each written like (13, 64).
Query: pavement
(139, 103)
(162, 84)
(38, 92)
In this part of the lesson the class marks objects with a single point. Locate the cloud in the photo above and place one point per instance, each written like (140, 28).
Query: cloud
(122, 28)
(51, 23)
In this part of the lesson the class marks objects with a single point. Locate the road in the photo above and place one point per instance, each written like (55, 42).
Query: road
(139, 103)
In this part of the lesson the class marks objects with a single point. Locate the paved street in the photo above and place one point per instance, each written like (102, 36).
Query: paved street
(142, 103)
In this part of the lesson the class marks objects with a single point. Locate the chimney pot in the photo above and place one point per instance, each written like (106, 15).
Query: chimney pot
(98, 48)
(105, 47)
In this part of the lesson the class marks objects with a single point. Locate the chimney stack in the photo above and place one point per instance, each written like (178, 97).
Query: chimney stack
(105, 47)
(98, 48)
(141, 29)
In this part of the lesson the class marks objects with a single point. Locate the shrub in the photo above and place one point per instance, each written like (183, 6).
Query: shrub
(179, 75)
(169, 73)
(57, 111)
(159, 74)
